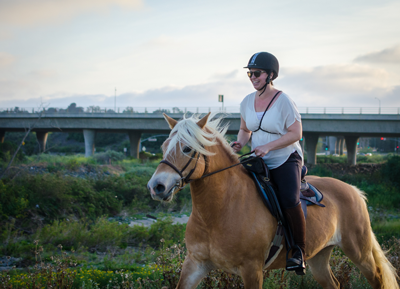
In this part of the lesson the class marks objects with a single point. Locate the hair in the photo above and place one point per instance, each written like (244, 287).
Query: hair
(187, 133)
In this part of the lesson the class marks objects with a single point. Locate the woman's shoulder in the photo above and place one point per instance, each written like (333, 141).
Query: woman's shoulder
(248, 98)
(285, 99)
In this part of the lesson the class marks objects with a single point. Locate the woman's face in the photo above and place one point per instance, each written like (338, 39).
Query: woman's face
(258, 82)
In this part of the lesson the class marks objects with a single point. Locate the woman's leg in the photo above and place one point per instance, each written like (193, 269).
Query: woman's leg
(287, 179)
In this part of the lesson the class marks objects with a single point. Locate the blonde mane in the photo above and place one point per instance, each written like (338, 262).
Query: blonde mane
(187, 133)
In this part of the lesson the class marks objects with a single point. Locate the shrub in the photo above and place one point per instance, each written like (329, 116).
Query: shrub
(7, 149)
(391, 170)
(107, 156)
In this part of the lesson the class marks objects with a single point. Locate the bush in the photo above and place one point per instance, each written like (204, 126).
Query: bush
(391, 170)
(7, 150)
(107, 156)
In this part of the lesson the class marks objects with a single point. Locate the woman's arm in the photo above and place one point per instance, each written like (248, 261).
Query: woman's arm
(293, 135)
(243, 137)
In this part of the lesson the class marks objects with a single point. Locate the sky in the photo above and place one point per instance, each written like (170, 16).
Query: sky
(180, 53)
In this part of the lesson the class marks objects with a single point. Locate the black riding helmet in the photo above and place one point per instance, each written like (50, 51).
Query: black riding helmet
(265, 61)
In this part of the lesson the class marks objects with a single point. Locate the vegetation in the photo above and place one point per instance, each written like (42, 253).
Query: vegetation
(70, 222)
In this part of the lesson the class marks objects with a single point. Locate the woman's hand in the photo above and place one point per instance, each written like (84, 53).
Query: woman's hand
(236, 146)
(261, 151)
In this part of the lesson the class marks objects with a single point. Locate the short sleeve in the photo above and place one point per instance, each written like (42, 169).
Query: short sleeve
(290, 112)
(243, 107)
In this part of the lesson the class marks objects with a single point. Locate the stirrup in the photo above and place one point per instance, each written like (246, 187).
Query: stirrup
(300, 269)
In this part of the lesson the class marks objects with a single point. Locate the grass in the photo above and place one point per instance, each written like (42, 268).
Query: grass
(53, 208)
(61, 271)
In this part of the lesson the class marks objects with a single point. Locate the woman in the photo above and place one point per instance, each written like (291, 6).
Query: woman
(273, 122)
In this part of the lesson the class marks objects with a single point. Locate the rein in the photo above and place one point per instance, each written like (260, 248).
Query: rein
(186, 180)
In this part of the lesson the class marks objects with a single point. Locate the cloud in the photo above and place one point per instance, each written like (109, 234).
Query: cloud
(6, 59)
(14, 92)
(27, 12)
(386, 56)
(347, 85)
(43, 73)
(336, 79)
(202, 95)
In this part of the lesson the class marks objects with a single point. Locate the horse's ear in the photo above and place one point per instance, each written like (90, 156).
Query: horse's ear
(202, 122)
(171, 122)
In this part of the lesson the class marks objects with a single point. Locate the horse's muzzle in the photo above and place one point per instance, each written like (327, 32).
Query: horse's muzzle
(162, 187)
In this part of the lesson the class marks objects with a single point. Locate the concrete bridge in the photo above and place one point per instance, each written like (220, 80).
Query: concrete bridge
(340, 127)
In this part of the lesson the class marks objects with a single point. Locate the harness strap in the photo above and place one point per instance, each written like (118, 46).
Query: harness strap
(172, 166)
(239, 163)
(276, 243)
(259, 126)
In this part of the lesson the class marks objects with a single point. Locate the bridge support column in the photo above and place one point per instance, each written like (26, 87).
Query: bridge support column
(332, 144)
(2, 135)
(340, 145)
(134, 138)
(351, 145)
(42, 140)
(311, 147)
(89, 136)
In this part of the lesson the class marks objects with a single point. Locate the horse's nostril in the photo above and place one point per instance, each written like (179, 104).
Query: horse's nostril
(159, 189)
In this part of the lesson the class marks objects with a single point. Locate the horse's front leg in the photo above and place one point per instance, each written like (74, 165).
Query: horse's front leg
(192, 273)
(252, 276)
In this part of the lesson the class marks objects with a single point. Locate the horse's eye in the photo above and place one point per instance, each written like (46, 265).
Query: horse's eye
(187, 150)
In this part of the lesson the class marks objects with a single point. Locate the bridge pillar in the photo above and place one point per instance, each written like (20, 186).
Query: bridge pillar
(351, 145)
(311, 147)
(134, 138)
(89, 136)
(332, 145)
(42, 140)
(340, 145)
(2, 135)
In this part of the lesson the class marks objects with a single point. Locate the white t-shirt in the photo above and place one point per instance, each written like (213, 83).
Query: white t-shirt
(281, 115)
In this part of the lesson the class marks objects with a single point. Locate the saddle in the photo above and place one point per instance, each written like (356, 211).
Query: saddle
(309, 195)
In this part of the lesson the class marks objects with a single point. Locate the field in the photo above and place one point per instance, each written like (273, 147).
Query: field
(72, 222)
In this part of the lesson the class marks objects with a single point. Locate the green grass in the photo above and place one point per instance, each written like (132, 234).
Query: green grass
(384, 230)
(55, 208)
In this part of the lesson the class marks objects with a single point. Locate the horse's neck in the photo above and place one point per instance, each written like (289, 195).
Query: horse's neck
(209, 195)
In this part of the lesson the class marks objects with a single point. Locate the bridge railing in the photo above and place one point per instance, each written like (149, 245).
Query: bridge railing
(170, 110)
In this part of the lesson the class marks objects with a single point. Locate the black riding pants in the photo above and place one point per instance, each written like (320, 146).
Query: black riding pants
(287, 178)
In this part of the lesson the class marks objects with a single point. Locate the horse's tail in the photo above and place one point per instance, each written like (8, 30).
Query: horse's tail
(385, 268)
(387, 272)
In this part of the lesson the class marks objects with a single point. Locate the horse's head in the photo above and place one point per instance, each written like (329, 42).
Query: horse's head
(185, 153)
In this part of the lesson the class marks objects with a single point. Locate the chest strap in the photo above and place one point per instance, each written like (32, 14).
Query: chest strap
(259, 126)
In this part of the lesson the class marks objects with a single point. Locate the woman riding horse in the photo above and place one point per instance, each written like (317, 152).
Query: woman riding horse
(273, 122)
(231, 229)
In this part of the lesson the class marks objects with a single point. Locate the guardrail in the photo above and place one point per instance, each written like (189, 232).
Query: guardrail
(160, 110)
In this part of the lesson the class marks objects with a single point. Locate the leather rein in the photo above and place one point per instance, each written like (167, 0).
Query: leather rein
(183, 181)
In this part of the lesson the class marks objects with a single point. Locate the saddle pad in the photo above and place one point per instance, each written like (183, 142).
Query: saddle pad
(312, 196)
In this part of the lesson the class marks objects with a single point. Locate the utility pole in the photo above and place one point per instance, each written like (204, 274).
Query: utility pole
(115, 100)
(379, 104)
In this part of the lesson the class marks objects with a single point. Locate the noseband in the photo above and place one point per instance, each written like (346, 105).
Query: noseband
(185, 180)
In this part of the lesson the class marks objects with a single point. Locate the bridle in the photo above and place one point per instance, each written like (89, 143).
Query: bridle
(183, 181)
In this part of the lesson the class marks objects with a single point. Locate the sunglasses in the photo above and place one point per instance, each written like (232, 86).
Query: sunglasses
(256, 73)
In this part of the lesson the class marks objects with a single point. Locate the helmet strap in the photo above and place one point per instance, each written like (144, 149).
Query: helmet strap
(267, 81)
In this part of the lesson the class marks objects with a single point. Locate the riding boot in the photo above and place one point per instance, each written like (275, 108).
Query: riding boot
(297, 223)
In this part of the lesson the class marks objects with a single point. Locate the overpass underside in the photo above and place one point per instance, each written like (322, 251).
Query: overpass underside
(342, 130)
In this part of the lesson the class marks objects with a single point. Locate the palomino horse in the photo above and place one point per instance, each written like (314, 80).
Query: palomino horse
(231, 229)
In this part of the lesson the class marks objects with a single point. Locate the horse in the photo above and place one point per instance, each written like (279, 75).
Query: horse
(231, 229)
